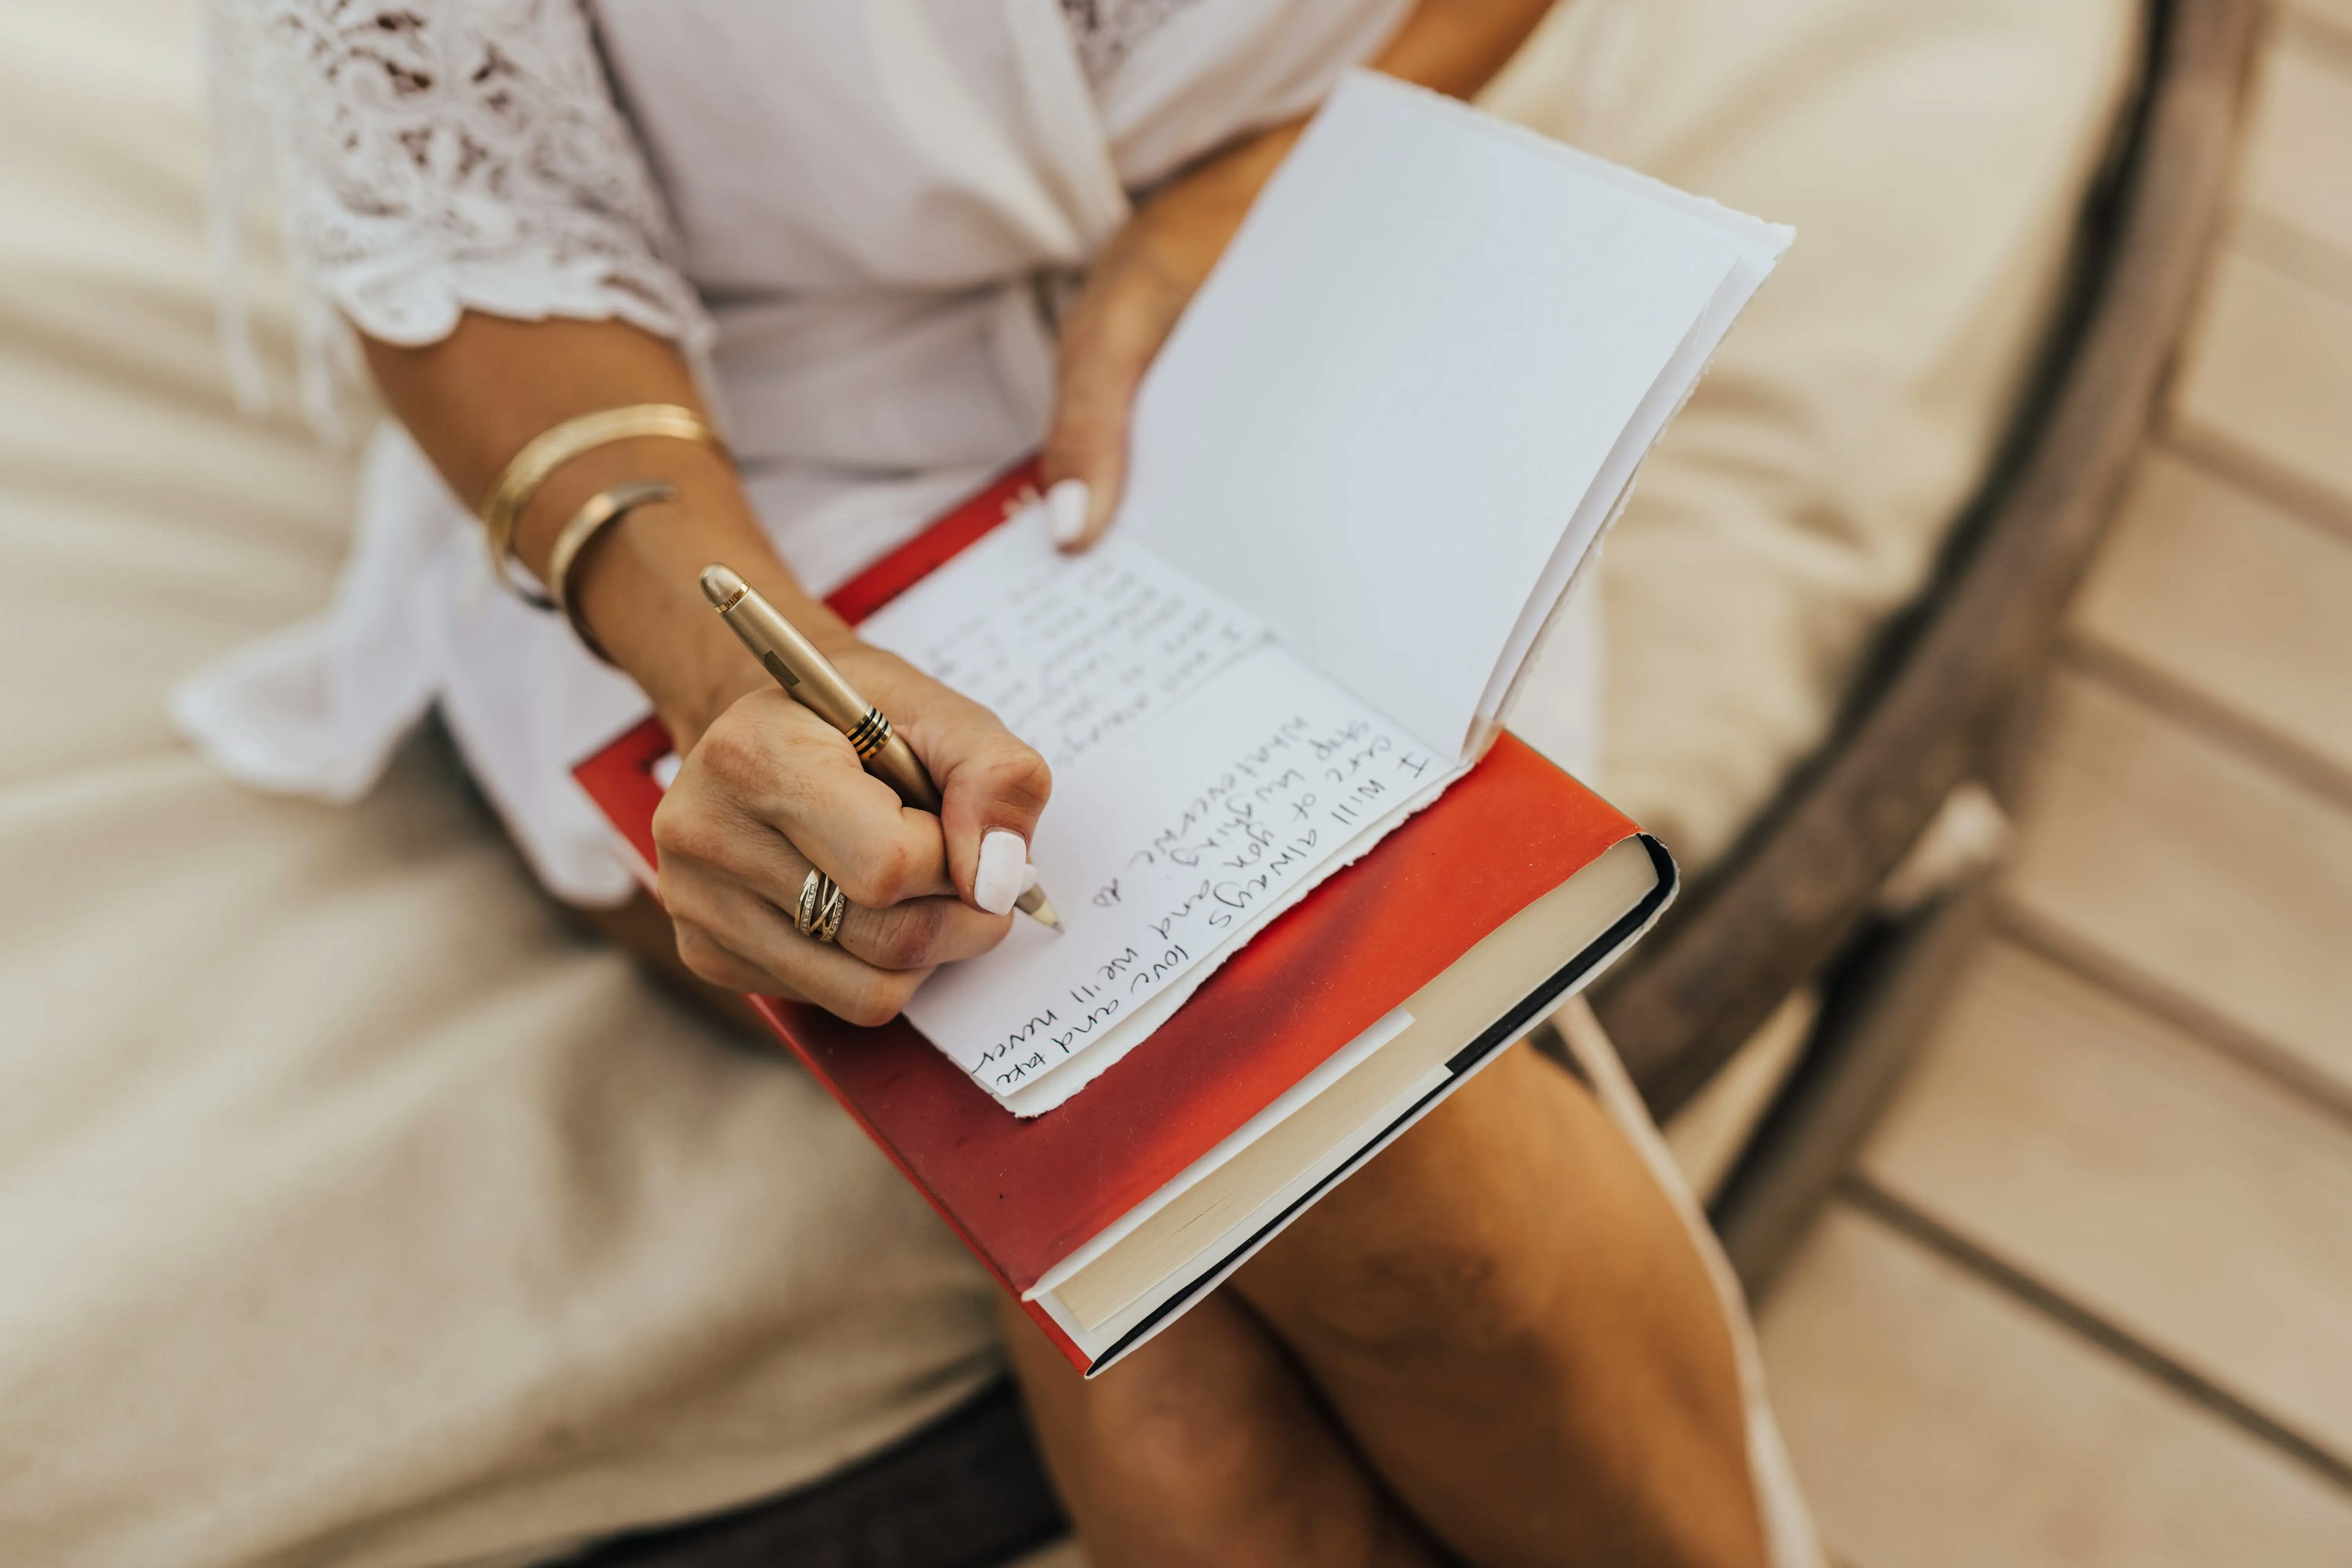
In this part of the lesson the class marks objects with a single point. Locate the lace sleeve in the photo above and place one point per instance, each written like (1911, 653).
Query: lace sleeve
(433, 156)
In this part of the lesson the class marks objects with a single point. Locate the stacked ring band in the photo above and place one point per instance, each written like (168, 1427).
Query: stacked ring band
(822, 905)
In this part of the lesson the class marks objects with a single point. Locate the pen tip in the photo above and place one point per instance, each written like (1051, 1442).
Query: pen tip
(1039, 908)
(722, 586)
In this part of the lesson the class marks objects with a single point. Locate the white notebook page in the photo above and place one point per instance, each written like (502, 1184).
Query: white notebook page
(1205, 779)
(1364, 468)
(1376, 423)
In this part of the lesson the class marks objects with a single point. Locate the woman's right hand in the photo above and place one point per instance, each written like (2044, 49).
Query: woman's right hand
(769, 790)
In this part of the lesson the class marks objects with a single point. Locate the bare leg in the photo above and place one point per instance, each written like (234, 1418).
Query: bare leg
(1506, 1315)
(1501, 1311)
(1205, 1447)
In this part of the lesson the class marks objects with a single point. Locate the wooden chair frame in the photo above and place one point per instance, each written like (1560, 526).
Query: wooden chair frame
(1794, 895)
(1795, 901)
(1802, 879)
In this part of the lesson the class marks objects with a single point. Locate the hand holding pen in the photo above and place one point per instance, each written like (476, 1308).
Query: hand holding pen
(789, 868)
(810, 680)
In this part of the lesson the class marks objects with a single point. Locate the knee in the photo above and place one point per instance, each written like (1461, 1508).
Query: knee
(1402, 1302)
(1208, 1439)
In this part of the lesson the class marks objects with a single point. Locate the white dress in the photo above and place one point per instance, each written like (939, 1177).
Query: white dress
(855, 216)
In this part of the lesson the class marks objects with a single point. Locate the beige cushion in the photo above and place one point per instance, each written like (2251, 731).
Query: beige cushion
(351, 1211)
(1932, 159)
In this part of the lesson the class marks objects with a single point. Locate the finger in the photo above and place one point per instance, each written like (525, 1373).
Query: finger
(917, 934)
(992, 786)
(1106, 345)
(920, 934)
(716, 964)
(992, 790)
(772, 783)
(727, 915)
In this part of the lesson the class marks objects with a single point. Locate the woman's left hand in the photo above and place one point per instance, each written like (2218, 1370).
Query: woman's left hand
(1124, 312)
(1149, 272)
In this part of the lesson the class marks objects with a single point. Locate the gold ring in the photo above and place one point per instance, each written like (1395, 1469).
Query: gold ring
(820, 907)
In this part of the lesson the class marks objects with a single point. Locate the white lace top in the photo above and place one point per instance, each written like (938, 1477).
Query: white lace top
(1106, 29)
(435, 155)
(846, 212)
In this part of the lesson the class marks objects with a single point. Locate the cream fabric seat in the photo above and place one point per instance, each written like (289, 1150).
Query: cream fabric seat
(352, 1211)
(1932, 159)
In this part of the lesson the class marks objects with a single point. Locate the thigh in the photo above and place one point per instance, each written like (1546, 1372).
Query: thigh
(1505, 1313)
(1499, 1321)
(1205, 1446)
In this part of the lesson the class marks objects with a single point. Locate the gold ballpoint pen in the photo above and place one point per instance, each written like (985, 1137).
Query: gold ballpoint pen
(809, 677)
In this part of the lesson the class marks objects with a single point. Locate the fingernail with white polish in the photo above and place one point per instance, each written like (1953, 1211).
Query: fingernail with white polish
(997, 882)
(1028, 877)
(1066, 510)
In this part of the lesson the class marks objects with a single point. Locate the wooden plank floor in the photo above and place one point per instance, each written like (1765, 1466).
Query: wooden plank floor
(2086, 1297)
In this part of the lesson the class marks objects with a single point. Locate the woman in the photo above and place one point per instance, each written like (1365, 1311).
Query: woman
(894, 243)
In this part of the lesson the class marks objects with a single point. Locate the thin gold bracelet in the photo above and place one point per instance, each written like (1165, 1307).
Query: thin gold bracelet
(598, 512)
(551, 448)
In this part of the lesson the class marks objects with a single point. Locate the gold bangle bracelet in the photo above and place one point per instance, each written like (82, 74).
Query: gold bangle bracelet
(595, 514)
(551, 448)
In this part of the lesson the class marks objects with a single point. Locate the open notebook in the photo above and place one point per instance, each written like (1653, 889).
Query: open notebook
(1307, 886)
(1342, 1024)
(1366, 467)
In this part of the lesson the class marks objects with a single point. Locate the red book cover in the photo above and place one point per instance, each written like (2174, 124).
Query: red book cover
(1024, 1195)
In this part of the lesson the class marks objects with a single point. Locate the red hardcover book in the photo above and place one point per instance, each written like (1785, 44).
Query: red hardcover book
(1342, 1022)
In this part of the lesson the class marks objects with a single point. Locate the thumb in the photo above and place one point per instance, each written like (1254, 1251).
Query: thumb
(993, 791)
